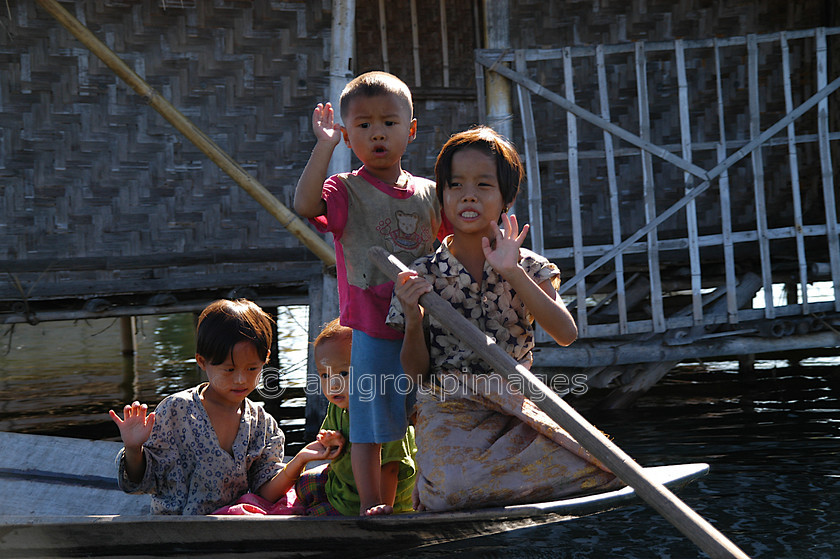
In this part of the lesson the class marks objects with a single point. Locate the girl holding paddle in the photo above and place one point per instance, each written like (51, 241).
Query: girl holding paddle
(505, 449)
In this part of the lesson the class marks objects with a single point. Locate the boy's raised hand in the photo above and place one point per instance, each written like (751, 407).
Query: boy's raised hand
(324, 125)
(137, 426)
(505, 256)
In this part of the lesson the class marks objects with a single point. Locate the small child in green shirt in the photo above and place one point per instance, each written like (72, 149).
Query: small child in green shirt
(331, 488)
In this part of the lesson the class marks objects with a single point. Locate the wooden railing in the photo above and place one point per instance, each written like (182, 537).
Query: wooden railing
(730, 99)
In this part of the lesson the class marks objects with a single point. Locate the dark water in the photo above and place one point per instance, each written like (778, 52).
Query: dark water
(774, 484)
(773, 445)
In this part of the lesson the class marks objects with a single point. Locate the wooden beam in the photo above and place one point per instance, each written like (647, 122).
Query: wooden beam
(757, 160)
(585, 354)
(656, 308)
(383, 36)
(415, 43)
(691, 208)
(532, 165)
(833, 233)
(497, 35)
(444, 43)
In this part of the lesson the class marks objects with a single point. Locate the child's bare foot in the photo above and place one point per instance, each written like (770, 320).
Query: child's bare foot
(378, 510)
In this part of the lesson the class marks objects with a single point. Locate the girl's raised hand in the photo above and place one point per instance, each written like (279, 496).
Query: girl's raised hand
(505, 256)
(136, 426)
(324, 125)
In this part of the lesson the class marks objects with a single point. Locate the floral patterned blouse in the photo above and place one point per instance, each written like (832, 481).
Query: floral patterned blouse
(187, 472)
(491, 304)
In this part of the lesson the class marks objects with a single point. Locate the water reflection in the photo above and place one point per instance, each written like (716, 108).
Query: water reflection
(63, 377)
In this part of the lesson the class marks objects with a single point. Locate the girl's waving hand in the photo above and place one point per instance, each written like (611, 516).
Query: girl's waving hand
(136, 426)
(504, 256)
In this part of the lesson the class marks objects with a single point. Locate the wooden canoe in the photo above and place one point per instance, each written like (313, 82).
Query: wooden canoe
(60, 499)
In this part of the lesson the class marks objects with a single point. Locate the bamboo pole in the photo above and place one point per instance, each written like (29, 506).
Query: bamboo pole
(691, 524)
(793, 159)
(383, 36)
(444, 43)
(498, 96)
(284, 215)
(415, 43)
(725, 205)
(690, 210)
(532, 162)
(615, 208)
(826, 170)
(574, 191)
(657, 310)
(757, 160)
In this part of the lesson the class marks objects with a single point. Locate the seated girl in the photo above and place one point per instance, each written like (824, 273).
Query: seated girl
(205, 447)
(480, 441)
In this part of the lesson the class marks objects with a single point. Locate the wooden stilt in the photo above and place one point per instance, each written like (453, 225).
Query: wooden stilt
(746, 367)
(128, 335)
(272, 405)
(323, 307)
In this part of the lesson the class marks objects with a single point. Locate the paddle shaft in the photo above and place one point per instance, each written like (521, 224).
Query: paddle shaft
(691, 524)
(226, 163)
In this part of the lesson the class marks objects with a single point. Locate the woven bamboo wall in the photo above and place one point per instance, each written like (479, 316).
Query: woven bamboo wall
(99, 194)
(440, 111)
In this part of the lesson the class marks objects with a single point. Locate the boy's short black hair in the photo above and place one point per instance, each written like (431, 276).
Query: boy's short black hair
(372, 84)
(486, 140)
(225, 323)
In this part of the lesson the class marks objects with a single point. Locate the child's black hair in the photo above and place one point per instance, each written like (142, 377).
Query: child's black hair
(225, 323)
(486, 140)
(373, 84)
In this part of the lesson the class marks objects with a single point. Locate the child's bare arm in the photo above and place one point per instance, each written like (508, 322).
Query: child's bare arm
(542, 300)
(308, 201)
(135, 429)
(414, 354)
(277, 486)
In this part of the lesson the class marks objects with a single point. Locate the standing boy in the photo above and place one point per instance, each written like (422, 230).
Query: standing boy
(379, 204)
(331, 489)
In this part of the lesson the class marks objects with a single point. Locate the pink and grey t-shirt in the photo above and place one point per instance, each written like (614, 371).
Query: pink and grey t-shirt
(363, 211)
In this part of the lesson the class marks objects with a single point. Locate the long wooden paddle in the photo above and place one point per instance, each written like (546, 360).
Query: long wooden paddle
(695, 527)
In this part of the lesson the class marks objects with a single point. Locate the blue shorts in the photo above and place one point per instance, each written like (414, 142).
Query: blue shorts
(379, 390)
